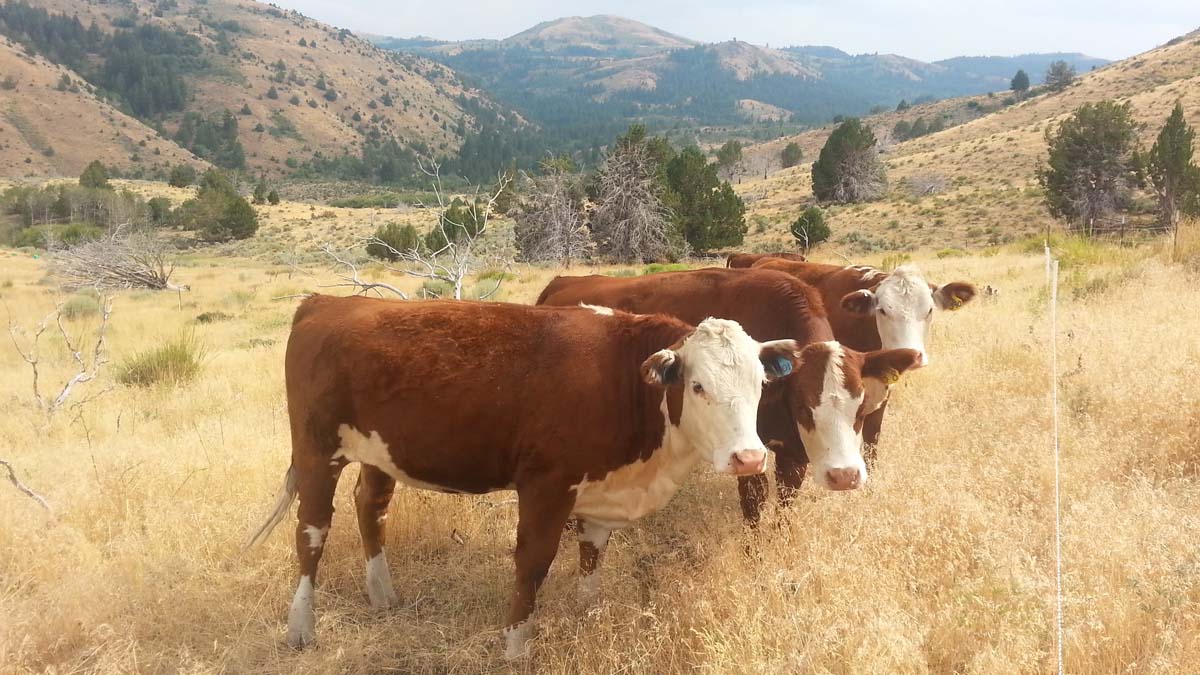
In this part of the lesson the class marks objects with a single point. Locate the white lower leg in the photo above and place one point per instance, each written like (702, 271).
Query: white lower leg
(589, 582)
(302, 619)
(515, 638)
(379, 582)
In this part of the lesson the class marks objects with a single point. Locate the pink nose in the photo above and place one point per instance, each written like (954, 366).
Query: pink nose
(844, 479)
(748, 462)
(923, 361)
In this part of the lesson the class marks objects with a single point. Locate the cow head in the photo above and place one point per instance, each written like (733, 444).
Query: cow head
(714, 379)
(902, 305)
(832, 391)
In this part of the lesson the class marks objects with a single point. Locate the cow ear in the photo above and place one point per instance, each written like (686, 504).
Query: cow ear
(887, 365)
(779, 358)
(662, 368)
(953, 295)
(859, 302)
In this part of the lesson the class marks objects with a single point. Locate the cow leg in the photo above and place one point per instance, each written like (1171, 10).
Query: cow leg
(789, 474)
(593, 539)
(316, 482)
(371, 499)
(752, 491)
(872, 425)
(542, 514)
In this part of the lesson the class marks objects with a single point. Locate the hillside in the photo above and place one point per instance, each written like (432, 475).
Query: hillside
(334, 94)
(985, 165)
(52, 123)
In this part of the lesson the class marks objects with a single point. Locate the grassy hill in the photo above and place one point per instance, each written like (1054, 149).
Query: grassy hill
(335, 93)
(52, 123)
(987, 162)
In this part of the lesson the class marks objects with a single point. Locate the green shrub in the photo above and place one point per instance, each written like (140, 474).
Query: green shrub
(80, 306)
(172, 363)
(894, 260)
(621, 273)
(436, 288)
(951, 253)
(494, 274)
(213, 317)
(655, 268)
(394, 239)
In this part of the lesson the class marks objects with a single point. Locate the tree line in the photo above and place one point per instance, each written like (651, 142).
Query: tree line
(67, 214)
(141, 66)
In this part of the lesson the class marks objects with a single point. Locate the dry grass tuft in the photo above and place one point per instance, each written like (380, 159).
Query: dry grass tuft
(943, 564)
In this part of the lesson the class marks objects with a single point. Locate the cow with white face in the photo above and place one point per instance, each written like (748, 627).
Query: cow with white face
(870, 309)
(823, 404)
(901, 305)
(596, 415)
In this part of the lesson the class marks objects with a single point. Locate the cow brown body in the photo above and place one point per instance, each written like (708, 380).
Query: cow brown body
(769, 305)
(744, 260)
(474, 397)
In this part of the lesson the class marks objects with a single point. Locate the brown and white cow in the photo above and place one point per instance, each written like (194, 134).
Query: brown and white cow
(600, 416)
(744, 260)
(820, 408)
(871, 309)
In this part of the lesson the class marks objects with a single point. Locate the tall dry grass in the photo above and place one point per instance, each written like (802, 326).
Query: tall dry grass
(944, 564)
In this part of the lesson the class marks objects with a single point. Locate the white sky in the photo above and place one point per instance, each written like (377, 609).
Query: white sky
(922, 29)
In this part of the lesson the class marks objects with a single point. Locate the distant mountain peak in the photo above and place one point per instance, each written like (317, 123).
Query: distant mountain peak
(601, 33)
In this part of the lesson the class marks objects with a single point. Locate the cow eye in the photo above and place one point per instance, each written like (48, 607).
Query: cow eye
(697, 388)
(930, 313)
(882, 312)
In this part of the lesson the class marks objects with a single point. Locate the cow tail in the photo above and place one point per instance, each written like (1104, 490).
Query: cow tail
(283, 504)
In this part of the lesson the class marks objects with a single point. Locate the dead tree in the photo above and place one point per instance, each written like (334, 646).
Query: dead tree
(87, 362)
(551, 226)
(462, 250)
(118, 261)
(630, 221)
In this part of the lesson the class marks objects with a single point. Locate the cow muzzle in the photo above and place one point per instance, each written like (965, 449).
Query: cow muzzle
(844, 479)
(747, 462)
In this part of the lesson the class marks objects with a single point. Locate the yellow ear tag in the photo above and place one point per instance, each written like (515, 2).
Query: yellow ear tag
(956, 304)
(891, 377)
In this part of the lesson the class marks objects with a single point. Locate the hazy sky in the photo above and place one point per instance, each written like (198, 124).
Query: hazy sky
(923, 29)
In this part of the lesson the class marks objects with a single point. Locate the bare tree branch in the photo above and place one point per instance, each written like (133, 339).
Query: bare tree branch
(353, 280)
(12, 478)
(86, 372)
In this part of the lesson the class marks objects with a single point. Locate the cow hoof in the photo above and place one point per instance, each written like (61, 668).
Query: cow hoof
(515, 638)
(589, 590)
(379, 583)
(299, 637)
(302, 618)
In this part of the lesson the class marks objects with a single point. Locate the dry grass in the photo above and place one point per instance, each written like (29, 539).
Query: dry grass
(945, 564)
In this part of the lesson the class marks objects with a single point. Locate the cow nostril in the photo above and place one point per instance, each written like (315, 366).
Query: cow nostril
(844, 479)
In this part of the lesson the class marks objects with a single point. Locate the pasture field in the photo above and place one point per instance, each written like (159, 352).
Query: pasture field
(943, 564)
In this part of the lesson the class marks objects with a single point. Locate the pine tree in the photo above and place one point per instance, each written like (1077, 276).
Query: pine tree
(848, 168)
(95, 176)
(810, 228)
(1020, 82)
(707, 210)
(273, 197)
(1172, 173)
(1087, 175)
(260, 191)
(1059, 75)
(791, 155)
(182, 176)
